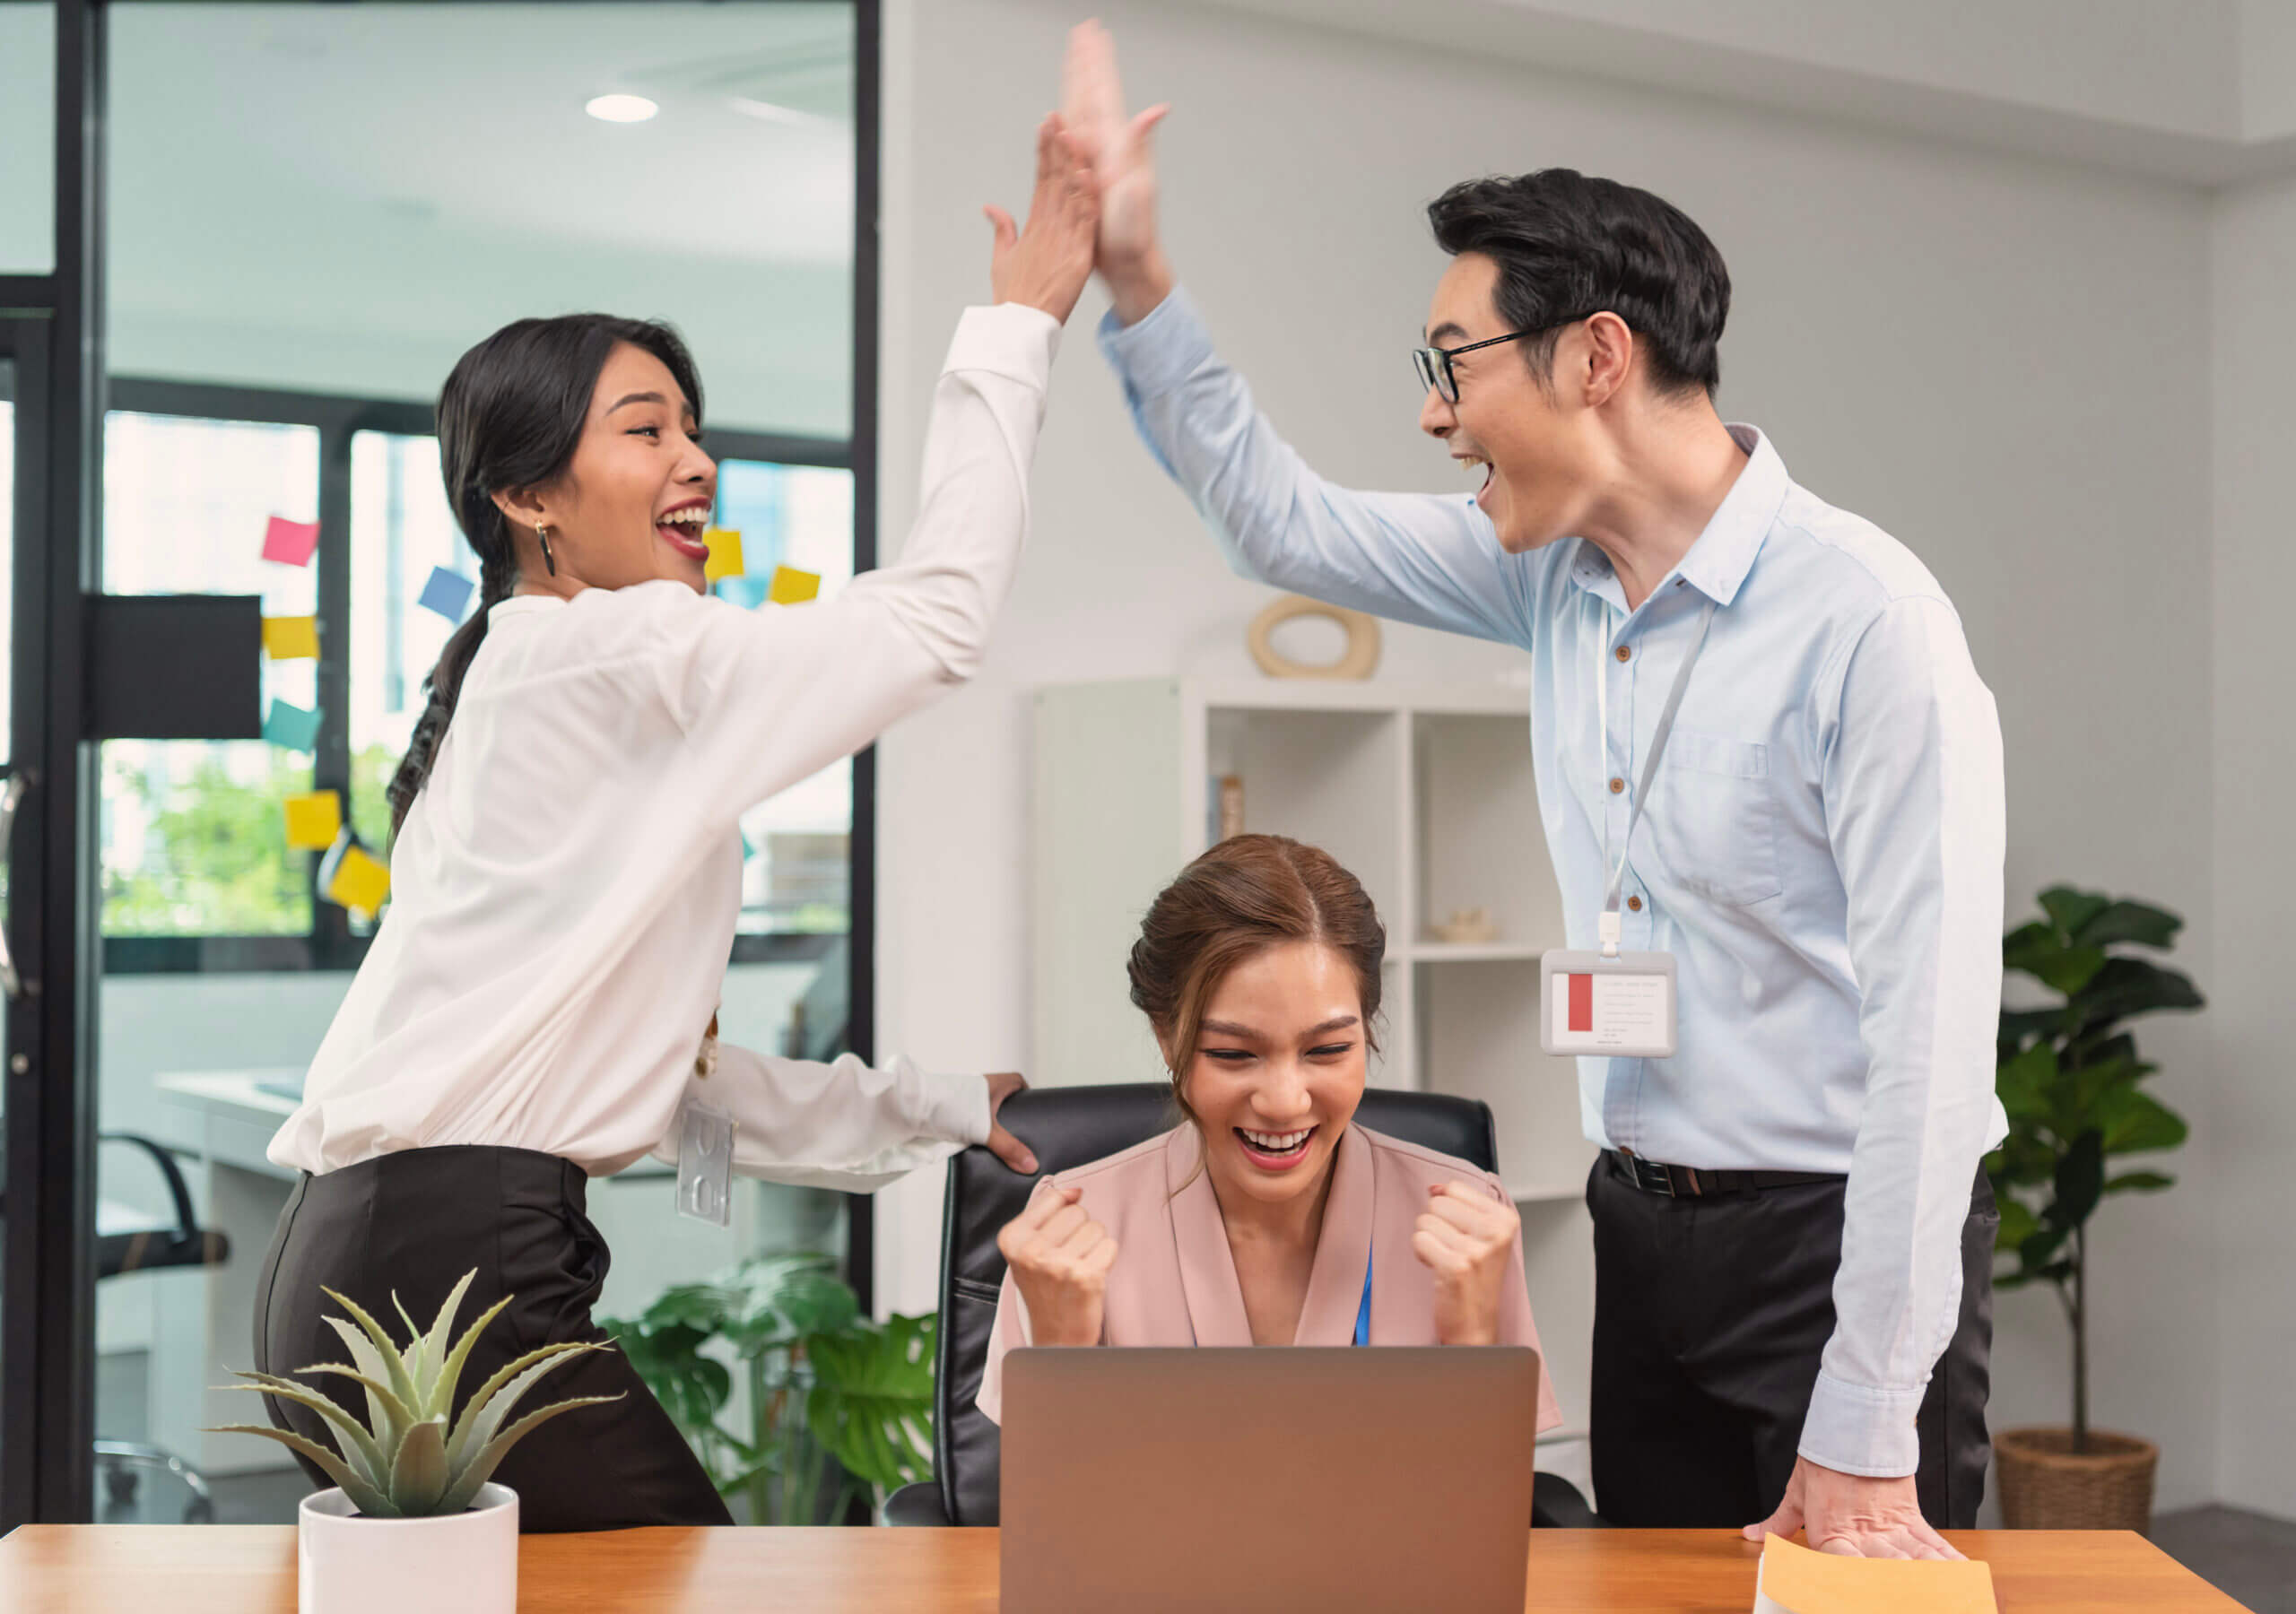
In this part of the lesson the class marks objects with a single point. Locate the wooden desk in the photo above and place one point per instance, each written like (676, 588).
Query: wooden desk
(250, 1569)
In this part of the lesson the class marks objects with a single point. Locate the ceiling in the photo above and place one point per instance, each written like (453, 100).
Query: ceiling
(473, 116)
(342, 198)
(2199, 92)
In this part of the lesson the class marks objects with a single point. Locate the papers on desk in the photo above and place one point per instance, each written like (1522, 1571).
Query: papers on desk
(1795, 1580)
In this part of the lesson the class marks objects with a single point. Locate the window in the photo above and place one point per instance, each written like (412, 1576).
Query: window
(796, 846)
(193, 841)
(196, 872)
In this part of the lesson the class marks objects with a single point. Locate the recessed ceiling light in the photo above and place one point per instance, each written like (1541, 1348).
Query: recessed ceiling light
(619, 108)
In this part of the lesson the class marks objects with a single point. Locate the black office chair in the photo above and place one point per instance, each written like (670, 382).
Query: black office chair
(1069, 1127)
(120, 1464)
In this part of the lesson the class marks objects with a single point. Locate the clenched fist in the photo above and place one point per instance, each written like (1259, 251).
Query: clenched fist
(1466, 1238)
(1060, 1259)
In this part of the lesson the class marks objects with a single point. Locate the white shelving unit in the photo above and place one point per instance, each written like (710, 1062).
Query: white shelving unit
(1425, 792)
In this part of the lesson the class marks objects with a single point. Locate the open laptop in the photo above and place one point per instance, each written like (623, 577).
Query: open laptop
(1266, 1479)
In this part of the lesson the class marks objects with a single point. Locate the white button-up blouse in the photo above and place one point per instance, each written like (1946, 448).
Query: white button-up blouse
(565, 888)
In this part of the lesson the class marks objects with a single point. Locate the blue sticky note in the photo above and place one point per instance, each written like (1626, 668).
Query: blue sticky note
(748, 593)
(447, 593)
(290, 728)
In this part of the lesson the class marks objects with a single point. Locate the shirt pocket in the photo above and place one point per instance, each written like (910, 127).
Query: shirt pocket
(1715, 822)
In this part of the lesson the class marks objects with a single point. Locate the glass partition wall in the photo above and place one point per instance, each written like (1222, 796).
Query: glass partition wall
(288, 273)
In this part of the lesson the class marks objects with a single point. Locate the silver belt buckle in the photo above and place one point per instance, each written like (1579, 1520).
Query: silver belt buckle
(1649, 1175)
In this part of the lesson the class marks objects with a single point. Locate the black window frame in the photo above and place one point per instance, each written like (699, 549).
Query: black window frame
(330, 944)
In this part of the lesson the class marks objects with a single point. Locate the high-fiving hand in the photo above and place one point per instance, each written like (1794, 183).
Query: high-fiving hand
(1466, 1238)
(1131, 256)
(1045, 261)
(1060, 1258)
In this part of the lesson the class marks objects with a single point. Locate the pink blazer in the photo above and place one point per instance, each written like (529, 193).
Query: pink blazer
(1174, 1283)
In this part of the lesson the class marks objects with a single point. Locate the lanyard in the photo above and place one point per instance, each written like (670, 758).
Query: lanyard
(1610, 923)
(1363, 1312)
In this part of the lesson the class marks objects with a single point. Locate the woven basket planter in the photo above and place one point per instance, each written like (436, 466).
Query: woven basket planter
(2046, 1486)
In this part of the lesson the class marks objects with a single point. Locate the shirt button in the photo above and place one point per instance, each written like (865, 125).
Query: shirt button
(1635, 903)
(1618, 786)
(1624, 652)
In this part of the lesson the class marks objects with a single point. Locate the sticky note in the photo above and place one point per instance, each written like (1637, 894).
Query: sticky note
(1795, 1580)
(725, 554)
(290, 638)
(748, 593)
(290, 542)
(360, 882)
(447, 593)
(792, 586)
(314, 821)
(290, 728)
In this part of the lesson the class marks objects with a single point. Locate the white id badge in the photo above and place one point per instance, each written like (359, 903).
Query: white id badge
(706, 1164)
(1622, 1006)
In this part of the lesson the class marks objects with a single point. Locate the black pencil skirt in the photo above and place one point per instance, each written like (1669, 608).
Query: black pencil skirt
(413, 1223)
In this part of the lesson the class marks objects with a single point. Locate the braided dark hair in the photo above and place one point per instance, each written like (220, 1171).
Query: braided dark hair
(510, 416)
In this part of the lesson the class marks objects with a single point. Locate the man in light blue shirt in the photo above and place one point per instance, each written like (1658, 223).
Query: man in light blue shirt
(1787, 1240)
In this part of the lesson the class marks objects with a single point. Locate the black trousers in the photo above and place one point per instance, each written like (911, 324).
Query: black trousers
(413, 1223)
(1710, 1314)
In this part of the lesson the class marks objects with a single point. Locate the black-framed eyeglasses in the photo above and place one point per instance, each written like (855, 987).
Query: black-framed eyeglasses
(1435, 363)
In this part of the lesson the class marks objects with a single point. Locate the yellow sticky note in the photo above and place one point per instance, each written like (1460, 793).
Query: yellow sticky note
(314, 821)
(793, 588)
(360, 882)
(1795, 1580)
(725, 554)
(290, 638)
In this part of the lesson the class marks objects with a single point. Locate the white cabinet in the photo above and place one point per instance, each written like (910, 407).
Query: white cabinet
(1425, 792)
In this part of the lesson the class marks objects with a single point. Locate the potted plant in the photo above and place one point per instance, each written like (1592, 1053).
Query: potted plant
(2069, 1078)
(839, 1407)
(414, 1520)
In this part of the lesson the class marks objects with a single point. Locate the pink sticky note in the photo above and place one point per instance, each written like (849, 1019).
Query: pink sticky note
(290, 542)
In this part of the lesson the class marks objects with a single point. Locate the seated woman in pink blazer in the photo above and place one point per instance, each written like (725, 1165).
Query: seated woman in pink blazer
(1267, 1217)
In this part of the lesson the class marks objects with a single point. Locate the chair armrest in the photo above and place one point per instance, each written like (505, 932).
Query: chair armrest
(916, 1505)
(178, 1191)
(1556, 1504)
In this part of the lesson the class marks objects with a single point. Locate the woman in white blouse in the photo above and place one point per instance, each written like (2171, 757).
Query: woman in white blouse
(539, 1004)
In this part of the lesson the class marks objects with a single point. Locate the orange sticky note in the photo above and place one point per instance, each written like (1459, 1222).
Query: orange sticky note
(290, 638)
(792, 586)
(314, 821)
(725, 554)
(360, 882)
(1795, 1580)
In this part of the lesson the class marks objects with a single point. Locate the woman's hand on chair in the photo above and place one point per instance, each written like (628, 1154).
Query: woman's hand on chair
(1466, 1238)
(1002, 1085)
(1060, 1258)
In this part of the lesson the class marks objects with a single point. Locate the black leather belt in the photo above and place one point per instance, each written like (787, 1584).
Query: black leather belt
(1687, 1181)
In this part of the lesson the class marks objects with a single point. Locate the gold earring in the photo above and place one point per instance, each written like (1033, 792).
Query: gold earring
(542, 536)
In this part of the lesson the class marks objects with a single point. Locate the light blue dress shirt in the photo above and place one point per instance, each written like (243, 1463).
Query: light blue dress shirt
(1822, 850)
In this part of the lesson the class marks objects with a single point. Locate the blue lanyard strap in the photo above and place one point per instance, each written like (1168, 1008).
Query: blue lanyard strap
(1363, 1312)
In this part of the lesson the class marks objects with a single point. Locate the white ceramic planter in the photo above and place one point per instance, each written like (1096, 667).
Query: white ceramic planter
(467, 1562)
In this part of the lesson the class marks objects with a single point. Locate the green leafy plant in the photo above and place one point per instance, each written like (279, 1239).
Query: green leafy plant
(840, 1406)
(2069, 1076)
(408, 1460)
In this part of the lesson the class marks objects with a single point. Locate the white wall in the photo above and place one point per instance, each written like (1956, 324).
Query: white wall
(1996, 359)
(2254, 248)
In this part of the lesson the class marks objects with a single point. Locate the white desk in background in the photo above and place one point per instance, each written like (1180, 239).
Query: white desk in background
(241, 1195)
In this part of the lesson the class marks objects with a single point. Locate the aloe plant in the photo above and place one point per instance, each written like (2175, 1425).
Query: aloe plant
(408, 1461)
